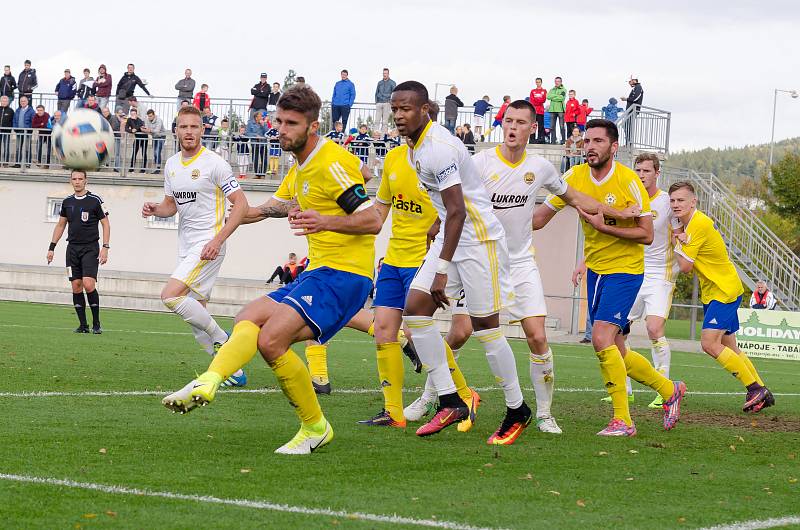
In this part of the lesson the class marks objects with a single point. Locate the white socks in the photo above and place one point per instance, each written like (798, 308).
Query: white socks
(543, 380)
(502, 363)
(204, 340)
(431, 351)
(662, 355)
(196, 316)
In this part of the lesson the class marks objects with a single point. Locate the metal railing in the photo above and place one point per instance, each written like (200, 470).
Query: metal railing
(645, 129)
(757, 252)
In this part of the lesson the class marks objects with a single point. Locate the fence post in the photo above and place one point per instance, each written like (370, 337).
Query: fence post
(693, 312)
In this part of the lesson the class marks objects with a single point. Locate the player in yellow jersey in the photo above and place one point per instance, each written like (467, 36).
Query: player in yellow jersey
(614, 256)
(324, 198)
(699, 247)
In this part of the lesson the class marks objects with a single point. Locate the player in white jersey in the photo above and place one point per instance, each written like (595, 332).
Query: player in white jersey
(197, 184)
(660, 269)
(468, 253)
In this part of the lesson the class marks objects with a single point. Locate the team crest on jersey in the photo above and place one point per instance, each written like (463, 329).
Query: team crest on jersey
(495, 177)
(305, 188)
(655, 214)
(392, 177)
(195, 174)
(171, 173)
(418, 166)
(421, 188)
(84, 216)
(529, 177)
(611, 198)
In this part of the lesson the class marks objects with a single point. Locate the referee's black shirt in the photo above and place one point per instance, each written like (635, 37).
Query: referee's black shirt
(83, 214)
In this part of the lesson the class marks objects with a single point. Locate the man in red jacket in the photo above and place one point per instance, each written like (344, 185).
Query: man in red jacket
(537, 99)
(571, 109)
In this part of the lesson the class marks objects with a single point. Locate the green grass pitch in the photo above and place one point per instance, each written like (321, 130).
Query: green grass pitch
(718, 466)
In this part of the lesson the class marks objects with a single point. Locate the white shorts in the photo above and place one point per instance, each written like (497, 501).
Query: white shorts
(654, 299)
(527, 299)
(478, 274)
(477, 121)
(198, 275)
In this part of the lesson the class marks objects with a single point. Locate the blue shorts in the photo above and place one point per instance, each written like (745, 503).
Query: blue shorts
(495, 123)
(392, 285)
(611, 297)
(326, 299)
(722, 316)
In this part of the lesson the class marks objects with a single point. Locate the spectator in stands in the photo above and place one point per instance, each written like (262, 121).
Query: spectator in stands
(274, 150)
(337, 134)
(288, 272)
(383, 107)
(85, 88)
(202, 99)
(242, 150)
(583, 114)
(209, 128)
(498, 118)
(65, 89)
(300, 82)
(8, 84)
(272, 100)
(257, 132)
(91, 104)
(6, 124)
(23, 119)
(39, 122)
(57, 118)
(481, 107)
(135, 125)
(26, 80)
(224, 134)
(344, 94)
(185, 87)
(762, 297)
(380, 143)
(538, 98)
(636, 96)
(103, 86)
(611, 111)
(451, 105)
(571, 109)
(117, 122)
(573, 150)
(175, 146)
(547, 126)
(155, 126)
(260, 92)
(556, 97)
(467, 138)
(126, 88)
(361, 143)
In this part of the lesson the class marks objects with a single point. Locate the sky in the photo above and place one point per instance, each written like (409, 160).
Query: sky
(713, 64)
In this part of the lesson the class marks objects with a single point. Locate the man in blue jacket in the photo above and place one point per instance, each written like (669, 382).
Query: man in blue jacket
(23, 118)
(344, 94)
(66, 91)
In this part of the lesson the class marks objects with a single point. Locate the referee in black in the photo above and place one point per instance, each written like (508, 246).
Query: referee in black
(82, 211)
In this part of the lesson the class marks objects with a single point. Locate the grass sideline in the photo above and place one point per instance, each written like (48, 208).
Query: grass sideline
(718, 466)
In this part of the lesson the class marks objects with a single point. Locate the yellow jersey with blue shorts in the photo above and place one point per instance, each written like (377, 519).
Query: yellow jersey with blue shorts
(412, 216)
(339, 279)
(615, 265)
(720, 287)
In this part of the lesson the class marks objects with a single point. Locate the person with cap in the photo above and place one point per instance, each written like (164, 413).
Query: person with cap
(634, 100)
(103, 86)
(185, 87)
(260, 92)
(65, 89)
(26, 80)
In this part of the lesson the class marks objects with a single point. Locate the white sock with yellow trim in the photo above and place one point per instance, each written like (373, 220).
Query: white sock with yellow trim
(662, 355)
(543, 380)
(431, 351)
(197, 316)
(502, 362)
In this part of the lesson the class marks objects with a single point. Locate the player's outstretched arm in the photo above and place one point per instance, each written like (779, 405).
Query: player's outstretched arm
(58, 231)
(578, 199)
(542, 215)
(641, 233)
(272, 208)
(364, 220)
(165, 208)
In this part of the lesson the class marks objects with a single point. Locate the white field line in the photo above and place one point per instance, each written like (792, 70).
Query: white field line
(357, 391)
(242, 503)
(755, 525)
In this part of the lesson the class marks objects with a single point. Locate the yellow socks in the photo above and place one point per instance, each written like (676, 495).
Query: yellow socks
(736, 366)
(237, 351)
(751, 367)
(458, 377)
(640, 369)
(390, 372)
(612, 367)
(317, 357)
(296, 385)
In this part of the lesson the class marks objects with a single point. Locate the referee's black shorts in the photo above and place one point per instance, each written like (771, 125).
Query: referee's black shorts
(83, 260)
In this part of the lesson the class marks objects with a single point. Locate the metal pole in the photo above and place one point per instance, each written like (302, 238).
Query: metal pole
(693, 317)
(772, 138)
(576, 291)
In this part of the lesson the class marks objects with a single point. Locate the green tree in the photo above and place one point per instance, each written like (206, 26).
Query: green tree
(784, 188)
(290, 79)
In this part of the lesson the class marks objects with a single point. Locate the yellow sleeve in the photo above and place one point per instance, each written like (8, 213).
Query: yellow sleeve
(285, 191)
(344, 172)
(384, 194)
(695, 238)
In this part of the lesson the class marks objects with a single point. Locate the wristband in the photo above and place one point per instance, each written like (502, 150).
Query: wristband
(52, 247)
(105, 245)
(442, 266)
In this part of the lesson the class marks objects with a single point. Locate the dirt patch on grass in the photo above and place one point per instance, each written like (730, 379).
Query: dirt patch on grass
(755, 422)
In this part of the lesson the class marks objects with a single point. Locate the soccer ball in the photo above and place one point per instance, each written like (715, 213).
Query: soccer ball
(84, 141)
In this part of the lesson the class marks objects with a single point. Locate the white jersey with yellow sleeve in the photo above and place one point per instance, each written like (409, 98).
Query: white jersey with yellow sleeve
(412, 210)
(620, 188)
(659, 256)
(442, 161)
(330, 182)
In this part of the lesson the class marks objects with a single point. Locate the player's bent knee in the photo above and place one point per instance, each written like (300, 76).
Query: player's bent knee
(172, 302)
(385, 332)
